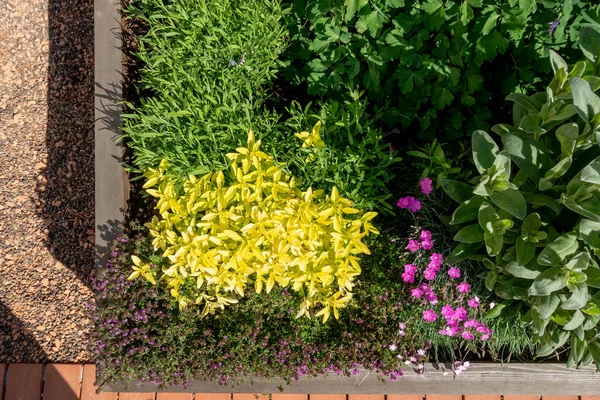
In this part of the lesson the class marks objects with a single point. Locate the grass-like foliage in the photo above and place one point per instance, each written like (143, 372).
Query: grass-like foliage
(428, 59)
(207, 66)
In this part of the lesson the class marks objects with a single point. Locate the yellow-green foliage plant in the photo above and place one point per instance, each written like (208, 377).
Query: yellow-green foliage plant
(253, 225)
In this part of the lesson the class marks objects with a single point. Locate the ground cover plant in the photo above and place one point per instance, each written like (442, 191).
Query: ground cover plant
(292, 234)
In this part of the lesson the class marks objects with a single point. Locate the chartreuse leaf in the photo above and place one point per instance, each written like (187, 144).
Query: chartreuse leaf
(555, 252)
(485, 150)
(548, 282)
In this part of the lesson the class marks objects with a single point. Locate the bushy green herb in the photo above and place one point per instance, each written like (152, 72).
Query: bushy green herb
(535, 208)
(207, 65)
(427, 59)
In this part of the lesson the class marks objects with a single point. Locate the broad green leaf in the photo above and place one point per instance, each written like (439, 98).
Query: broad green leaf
(594, 349)
(441, 98)
(567, 136)
(529, 271)
(532, 223)
(555, 252)
(525, 251)
(589, 232)
(548, 305)
(467, 211)
(525, 101)
(431, 6)
(557, 62)
(578, 262)
(470, 234)
(576, 320)
(493, 243)
(462, 252)
(539, 200)
(578, 299)
(485, 151)
(556, 172)
(496, 311)
(528, 154)
(511, 200)
(352, 7)
(586, 101)
(458, 191)
(593, 277)
(487, 216)
(589, 208)
(512, 289)
(490, 23)
(548, 282)
(589, 42)
(591, 172)
(532, 124)
(490, 280)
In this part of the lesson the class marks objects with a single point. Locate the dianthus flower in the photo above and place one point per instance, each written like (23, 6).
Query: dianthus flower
(425, 235)
(463, 287)
(454, 273)
(429, 315)
(426, 244)
(426, 186)
(413, 245)
(474, 302)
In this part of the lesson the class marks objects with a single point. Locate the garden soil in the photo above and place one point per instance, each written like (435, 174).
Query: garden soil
(46, 179)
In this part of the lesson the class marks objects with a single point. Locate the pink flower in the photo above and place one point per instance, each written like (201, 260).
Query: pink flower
(472, 323)
(448, 331)
(426, 187)
(454, 273)
(467, 336)
(404, 202)
(429, 316)
(431, 297)
(486, 336)
(410, 268)
(415, 205)
(482, 328)
(425, 235)
(474, 302)
(436, 258)
(464, 287)
(413, 245)
(416, 293)
(429, 274)
(447, 311)
(434, 266)
(408, 277)
(426, 244)
(393, 347)
(460, 314)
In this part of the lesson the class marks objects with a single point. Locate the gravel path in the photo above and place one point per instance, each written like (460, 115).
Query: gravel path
(46, 179)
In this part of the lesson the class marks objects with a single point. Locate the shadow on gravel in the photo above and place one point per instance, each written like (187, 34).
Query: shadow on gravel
(67, 188)
(17, 344)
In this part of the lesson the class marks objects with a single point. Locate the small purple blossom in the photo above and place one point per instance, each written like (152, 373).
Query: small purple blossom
(429, 274)
(464, 287)
(429, 315)
(454, 273)
(416, 293)
(427, 244)
(467, 336)
(425, 235)
(553, 25)
(413, 245)
(474, 302)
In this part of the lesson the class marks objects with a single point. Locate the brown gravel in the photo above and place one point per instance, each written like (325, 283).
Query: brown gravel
(46, 179)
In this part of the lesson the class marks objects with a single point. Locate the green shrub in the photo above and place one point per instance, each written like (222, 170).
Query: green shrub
(207, 66)
(354, 157)
(428, 59)
(535, 208)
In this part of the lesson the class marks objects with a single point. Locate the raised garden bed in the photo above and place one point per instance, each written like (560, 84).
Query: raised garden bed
(112, 193)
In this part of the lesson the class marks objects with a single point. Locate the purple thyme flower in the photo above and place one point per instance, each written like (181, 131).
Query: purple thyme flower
(553, 25)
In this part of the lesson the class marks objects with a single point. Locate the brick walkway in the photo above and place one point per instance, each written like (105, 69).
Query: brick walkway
(76, 382)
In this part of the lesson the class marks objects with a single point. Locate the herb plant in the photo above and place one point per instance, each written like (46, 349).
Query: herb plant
(535, 208)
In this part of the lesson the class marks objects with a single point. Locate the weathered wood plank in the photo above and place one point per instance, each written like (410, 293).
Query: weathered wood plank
(62, 381)
(590, 397)
(443, 397)
(174, 396)
(283, 396)
(24, 382)
(137, 396)
(560, 397)
(481, 397)
(111, 183)
(481, 378)
(249, 396)
(2, 375)
(366, 397)
(519, 397)
(328, 397)
(213, 396)
(405, 397)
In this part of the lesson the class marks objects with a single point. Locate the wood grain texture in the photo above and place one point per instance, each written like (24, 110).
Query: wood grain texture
(62, 381)
(482, 378)
(24, 382)
(88, 389)
(2, 375)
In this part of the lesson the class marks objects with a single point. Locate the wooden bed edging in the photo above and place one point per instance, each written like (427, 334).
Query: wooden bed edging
(112, 193)
(481, 378)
